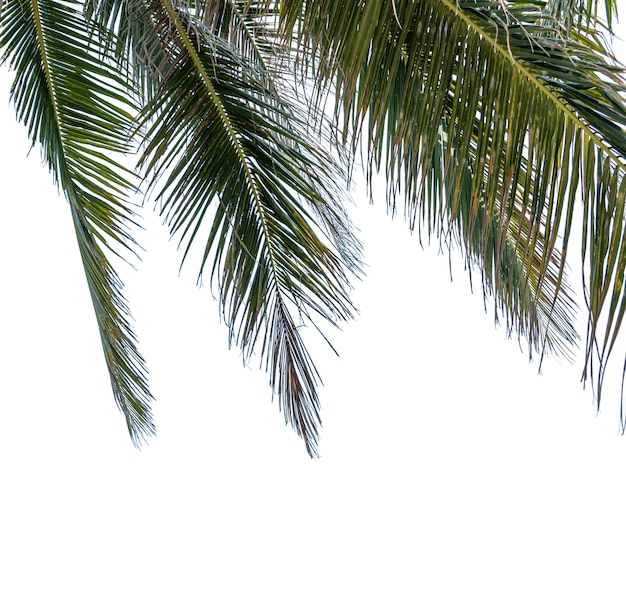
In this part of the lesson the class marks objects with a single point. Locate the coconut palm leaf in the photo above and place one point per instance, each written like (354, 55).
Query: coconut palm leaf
(529, 122)
(279, 243)
(72, 105)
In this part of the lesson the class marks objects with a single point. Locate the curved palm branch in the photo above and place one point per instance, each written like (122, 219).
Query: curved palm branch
(71, 103)
(488, 114)
(235, 148)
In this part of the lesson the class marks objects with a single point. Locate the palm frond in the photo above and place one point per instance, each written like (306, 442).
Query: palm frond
(279, 245)
(72, 105)
(529, 120)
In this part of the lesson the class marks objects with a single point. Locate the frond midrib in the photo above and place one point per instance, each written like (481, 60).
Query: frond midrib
(232, 133)
(46, 64)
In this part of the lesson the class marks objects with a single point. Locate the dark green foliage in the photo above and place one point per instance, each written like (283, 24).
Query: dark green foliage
(490, 120)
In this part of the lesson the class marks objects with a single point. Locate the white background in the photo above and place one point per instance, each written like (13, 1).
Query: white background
(450, 472)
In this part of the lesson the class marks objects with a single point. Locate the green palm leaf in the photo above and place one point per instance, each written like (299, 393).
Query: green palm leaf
(486, 115)
(237, 156)
(71, 103)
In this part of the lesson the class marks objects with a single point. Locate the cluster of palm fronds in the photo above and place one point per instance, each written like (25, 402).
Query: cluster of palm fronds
(491, 121)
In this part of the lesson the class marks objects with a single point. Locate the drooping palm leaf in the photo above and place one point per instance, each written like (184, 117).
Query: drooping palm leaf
(279, 241)
(73, 105)
(530, 121)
